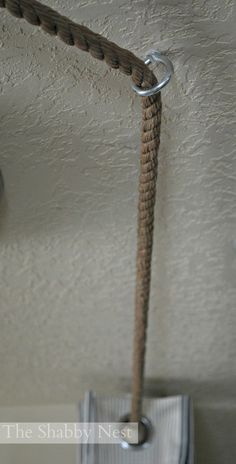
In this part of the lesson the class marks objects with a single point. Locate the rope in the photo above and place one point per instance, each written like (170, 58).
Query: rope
(116, 57)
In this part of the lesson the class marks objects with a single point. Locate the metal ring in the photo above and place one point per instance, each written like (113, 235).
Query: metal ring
(145, 441)
(156, 57)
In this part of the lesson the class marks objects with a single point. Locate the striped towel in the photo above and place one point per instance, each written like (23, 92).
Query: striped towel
(172, 435)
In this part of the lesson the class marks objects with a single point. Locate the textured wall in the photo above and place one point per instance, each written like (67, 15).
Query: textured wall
(70, 159)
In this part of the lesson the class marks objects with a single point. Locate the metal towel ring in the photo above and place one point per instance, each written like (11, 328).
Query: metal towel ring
(156, 57)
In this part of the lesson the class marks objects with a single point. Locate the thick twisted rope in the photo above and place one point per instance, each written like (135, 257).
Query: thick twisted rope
(116, 57)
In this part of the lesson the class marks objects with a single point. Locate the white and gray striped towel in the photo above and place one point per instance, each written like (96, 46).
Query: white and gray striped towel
(172, 438)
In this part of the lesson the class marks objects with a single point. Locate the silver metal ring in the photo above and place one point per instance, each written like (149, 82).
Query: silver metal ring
(146, 439)
(156, 57)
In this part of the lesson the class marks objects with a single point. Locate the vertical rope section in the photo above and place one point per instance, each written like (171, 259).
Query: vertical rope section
(150, 137)
(116, 57)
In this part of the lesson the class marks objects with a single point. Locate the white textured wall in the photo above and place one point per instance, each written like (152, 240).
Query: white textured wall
(70, 159)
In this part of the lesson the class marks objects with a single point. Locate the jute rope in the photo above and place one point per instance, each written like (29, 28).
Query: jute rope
(116, 57)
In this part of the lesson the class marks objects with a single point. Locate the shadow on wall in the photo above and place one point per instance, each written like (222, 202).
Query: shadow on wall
(73, 188)
(214, 434)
